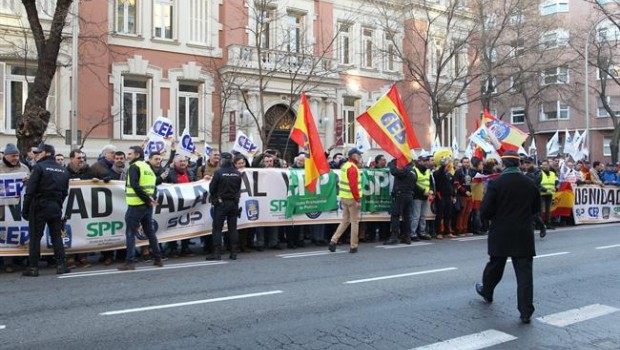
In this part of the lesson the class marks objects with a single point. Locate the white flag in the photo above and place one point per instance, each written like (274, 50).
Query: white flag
(361, 140)
(483, 138)
(208, 149)
(581, 148)
(533, 149)
(244, 145)
(436, 145)
(186, 145)
(568, 143)
(553, 145)
(521, 150)
(162, 129)
(455, 147)
(469, 151)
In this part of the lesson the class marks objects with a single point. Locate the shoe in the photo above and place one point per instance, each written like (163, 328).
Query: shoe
(9, 269)
(526, 320)
(407, 240)
(84, 263)
(488, 300)
(550, 227)
(174, 253)
(259, 249)
(331, 246)
(158, 263)
(107, 261)
(62, 269)
(186, 253)
(233, 256)
(276, 247)
(127, 267)
(391, 241)
(353, 250)
(451, 235)
(543, 232)
(415, 238)
(424, 237)
(439, 237)
(31, 272)
(71, 263)
(213, 257)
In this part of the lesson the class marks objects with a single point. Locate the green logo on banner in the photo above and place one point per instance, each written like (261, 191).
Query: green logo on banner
(301, 201)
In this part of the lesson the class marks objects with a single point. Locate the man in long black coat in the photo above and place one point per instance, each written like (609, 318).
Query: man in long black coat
(510, 204)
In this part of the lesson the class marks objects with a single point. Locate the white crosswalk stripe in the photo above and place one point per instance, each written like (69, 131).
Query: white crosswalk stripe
(567, 318)
(474, 341)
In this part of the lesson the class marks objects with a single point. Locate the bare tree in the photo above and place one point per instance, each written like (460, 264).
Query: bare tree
(36, 117)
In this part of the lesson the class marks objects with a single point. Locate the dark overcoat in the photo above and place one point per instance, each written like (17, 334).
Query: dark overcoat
(510, 203)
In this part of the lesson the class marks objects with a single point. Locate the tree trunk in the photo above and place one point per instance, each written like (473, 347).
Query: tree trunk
(613, 145)
(34, 121)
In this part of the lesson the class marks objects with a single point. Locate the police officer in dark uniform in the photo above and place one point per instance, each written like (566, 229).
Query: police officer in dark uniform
(510, 203)
(402, 202)
(534, 174)
(46, 191)
(225, 190)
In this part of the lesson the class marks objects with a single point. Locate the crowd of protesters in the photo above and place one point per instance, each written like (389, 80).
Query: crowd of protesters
(431, 200)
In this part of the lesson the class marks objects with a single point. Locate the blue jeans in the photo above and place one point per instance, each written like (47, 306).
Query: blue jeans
(419, 207)
(136, 216)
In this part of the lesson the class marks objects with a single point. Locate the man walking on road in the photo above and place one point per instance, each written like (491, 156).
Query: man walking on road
(510, 203)
(350, 192)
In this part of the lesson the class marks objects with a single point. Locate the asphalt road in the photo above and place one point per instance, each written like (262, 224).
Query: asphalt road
(403, 297)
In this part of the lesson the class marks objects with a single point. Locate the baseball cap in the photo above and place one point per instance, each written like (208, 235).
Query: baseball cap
(353, 151)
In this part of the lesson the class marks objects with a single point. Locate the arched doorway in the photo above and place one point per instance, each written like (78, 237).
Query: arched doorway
(281, 119)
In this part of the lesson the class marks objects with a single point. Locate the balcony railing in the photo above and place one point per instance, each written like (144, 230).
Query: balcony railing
(271, 61)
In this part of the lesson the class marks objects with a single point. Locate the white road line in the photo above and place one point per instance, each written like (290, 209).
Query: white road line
(2, 326)
(551, 254)
(474, 341)
(147, 269)
(306, 254)
(188, 303)
(566, 318)
(609, 246)
(400, 275)
(417, 244)
(467, 239)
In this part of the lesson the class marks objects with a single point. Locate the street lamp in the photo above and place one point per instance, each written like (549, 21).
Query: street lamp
(587, 74)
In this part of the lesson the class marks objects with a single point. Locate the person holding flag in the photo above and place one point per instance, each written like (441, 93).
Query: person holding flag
(350, 193)
(306, 135)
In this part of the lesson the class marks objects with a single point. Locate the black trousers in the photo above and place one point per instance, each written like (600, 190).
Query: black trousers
(226, 210)
(546, 203)
(402, 205)
(494, 271)
(36, 226)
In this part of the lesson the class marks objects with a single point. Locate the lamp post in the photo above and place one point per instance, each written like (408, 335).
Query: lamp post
(74, 72)
(587, 76)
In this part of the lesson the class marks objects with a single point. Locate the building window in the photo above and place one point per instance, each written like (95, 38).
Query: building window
(19, 80)
(607, 148)
(549, 7)
(368, 48)
(349, 112)
(295, 32)
(490, 22)
(126, 16)
(390, 52)
(555, 39)
(607, 31)
(189, 107)
(556, 75)
(517, 48)
(264, 27)
(517, 115)
(344, 43)
(490, 87)
(135, 106)
(46, 8)
(515, 84)
(199, 21)
(516, 18)
(436, 55)
(11, 7)
(614, 103)
(554, 110)
(163, 19)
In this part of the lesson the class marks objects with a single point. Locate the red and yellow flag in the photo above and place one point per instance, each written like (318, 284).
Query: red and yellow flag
(508, 135)
(305, 134)
(563, 200)
(388, 124)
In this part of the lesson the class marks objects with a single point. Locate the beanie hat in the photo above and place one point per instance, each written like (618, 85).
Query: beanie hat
(10, 149)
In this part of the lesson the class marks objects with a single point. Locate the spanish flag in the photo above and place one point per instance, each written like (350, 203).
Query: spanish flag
(563, 200)
(508, 135)
(305, 134)
(388, 124)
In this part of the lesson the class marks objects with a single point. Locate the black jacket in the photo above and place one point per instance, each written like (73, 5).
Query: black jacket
(404, 179)
(443, 182)
(46, 190)
(462, 181)
(226, 184)
(84, 173)
(510, 203)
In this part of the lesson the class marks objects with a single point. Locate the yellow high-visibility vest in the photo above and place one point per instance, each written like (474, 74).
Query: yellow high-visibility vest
(424, 179)
(147, 182)
(344, 189)
(548, 182)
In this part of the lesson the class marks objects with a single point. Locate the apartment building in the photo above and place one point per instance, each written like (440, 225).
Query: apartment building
(216, 67)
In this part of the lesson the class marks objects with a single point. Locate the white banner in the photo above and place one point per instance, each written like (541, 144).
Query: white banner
(161, 129)
(96, 212)
(245, 145)
(11, 187)
(596, 204)
(186, 145)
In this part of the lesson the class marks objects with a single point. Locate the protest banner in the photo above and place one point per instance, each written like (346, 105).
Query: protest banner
(186, 144)
(11, 187)
(596, 204)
